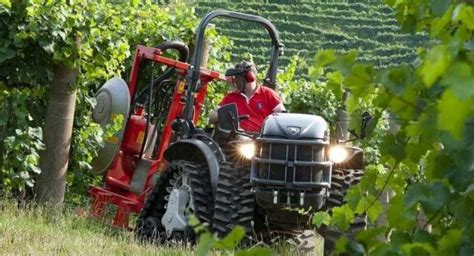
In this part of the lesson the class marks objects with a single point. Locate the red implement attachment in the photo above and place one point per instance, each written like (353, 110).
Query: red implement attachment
(118, 181)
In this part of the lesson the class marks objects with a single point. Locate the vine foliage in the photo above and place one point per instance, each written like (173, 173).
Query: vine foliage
(97, 38)
(427, 162)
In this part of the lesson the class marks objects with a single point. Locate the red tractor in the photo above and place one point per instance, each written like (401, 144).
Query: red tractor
(161, 165)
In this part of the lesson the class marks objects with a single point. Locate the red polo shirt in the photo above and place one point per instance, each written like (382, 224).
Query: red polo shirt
(257, 107)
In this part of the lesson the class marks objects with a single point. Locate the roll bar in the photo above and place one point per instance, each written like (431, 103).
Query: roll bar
(194, 69)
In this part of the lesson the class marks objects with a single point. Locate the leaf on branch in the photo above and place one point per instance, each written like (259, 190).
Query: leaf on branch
(342, 216)
(321, 218)
(335, 82)
(431, 196)
(435, 65)
(439, 24)
(204, 245)
(6, 3)
(460, 78)
(453, 113)
(321, 60)
(395, 79)
(469, 191)
(394, 146)
(35, 169)
(373, 212)
(371, 236)
(344, 62)
(418, 249)
(465, 14)
(439, 7)
(231, 240)
(6, 54)
(361, 79)
(399, 215)
(449, 243)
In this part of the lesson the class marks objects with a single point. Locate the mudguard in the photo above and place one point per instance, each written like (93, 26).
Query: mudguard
(187, 149)
(354, 161)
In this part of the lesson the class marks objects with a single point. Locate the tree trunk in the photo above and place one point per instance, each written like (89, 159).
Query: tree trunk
(54, 160)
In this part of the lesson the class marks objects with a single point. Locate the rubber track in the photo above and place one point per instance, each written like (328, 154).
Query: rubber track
(149, 226)
(234, 203)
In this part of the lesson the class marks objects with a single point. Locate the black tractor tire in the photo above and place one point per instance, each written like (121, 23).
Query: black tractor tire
(341, 181)
(235, 202)
(149, 227)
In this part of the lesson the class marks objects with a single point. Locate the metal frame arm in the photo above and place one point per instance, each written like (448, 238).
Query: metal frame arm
(193, 73)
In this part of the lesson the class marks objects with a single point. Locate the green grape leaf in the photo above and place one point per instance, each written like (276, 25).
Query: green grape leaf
(361, 79)
(321, 60)
(460, 78)
(394, 146)
(35, 169)
(6, 3)
(135, 3)
(6, 54)
(465, 14)
(439, 24)
(231, 240)
(418, 249)
(321, 218)
(341, 244)
(469, 191)
(370, 236)
(24, 175)
(342, 216)
(449, 243)
(435, 65)
(399, 215)
(204, 245)
(452, 113)
(335, 82)
(373, 212)
(425, 237)
(395, 79)
(432, 197)
(344, 62)
(439, 7)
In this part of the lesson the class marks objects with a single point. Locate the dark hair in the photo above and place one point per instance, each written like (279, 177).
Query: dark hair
(247, 65)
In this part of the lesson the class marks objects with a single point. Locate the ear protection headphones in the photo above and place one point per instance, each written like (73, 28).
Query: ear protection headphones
(249, 74)
(249, 69)
(245, 69)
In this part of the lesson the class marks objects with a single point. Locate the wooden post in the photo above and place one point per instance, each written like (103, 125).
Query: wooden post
(54, 160)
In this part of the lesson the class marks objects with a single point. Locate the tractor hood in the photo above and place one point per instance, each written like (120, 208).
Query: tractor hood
(295, 126)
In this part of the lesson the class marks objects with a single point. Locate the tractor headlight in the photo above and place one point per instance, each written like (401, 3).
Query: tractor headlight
(247, 150)
(338, 154)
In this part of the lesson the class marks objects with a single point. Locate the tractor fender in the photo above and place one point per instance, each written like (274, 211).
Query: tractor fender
(354, 161)
(187, 149)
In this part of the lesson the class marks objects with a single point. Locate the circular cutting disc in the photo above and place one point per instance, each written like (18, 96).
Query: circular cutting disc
(113, 99)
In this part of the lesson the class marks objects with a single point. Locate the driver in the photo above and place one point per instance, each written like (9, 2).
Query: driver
(253, 99)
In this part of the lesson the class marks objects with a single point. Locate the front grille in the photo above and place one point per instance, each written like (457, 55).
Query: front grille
(291, 163)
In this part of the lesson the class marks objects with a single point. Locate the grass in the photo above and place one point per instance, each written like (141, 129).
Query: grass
(32, 231)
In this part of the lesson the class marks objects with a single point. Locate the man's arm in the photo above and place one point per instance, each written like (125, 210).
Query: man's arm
(279, 108)
(275, 100)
